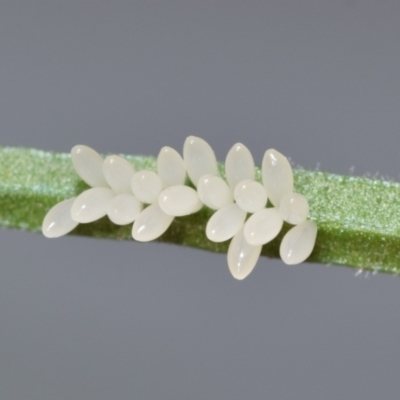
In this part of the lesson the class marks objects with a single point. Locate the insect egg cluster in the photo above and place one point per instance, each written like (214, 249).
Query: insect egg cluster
(151, 200)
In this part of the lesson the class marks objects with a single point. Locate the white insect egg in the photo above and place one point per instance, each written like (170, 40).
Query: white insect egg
(214, 192)
(298, 243)
(151, 223)
(239, 165)
(119, 192)
(123, 209)
(179, 200)
(242, 256)
(250, 196)
(118, 173)
(277, 175)
(146, 186)
(58, 221)
(170, 167)
(225, 223)
(199, 158)
(263, 226)
(294, 208)
(91, 205)
(88, 165)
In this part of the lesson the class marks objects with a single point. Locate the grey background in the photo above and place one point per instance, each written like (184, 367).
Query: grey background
(92, 319)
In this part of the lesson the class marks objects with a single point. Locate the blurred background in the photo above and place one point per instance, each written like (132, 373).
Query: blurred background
(96, 319)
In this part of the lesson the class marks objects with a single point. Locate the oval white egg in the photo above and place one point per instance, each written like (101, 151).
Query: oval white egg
(118, 173)
(146, 186)
(214, 192)
(250, 196)
(277, 175)
(225, 223)
(179, 200)
(294, 208)
(170, 167)
(298, 243)
(88, 165)
(58, 221)
(263, 226)
(151, 223)
(91, 205)
(242, 256)
(239, 165)
(123, 209)
(199, 158)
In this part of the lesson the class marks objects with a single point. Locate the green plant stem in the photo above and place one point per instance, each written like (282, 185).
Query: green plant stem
(358, 219)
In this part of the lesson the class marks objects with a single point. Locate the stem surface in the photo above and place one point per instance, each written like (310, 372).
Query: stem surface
(358, 218)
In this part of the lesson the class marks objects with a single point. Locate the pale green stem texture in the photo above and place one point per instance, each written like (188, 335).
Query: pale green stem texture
(358, 218)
